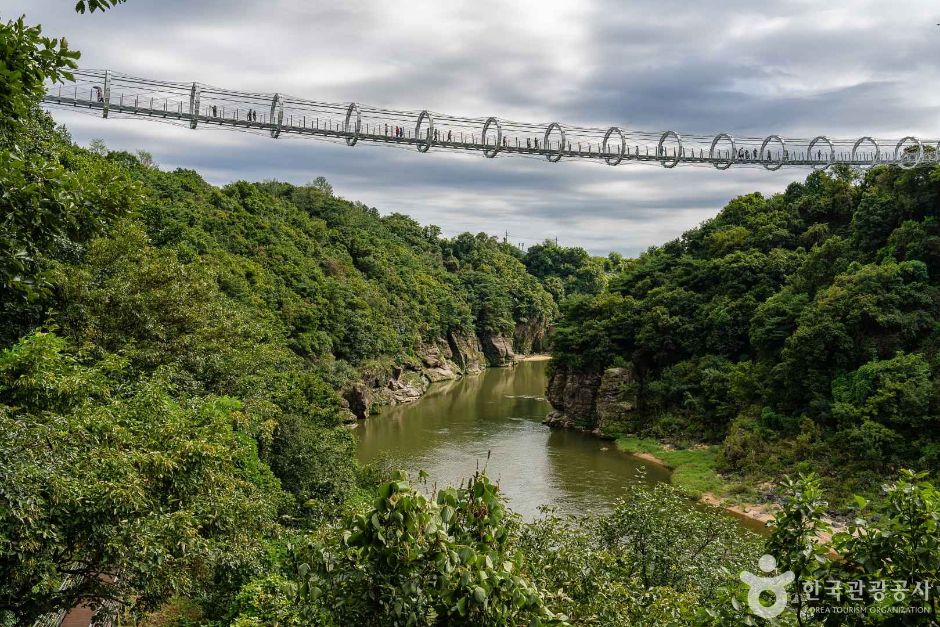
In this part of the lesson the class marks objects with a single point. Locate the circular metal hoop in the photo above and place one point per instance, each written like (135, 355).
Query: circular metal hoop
(194, 96)
(614, 160)
(659, 149)
(277, 115)
(832, 151)
(426, 145)
(553, 157)
(860, 141)
(353, 108)
(920, 152)
(711, 151)
(783, 152)
(489, 153)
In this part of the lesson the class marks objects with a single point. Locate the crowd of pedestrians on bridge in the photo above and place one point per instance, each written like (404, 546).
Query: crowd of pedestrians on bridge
(398, 132)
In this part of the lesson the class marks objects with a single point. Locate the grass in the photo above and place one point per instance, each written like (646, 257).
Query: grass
(693, 469)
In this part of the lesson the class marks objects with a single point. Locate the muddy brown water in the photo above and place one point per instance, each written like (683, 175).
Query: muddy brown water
(494, 420)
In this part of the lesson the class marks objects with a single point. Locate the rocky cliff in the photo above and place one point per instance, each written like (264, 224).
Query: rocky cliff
(451, 358)
(601, 402)
(466, 352)
(498, 349)
(460, 354)
(529, 337)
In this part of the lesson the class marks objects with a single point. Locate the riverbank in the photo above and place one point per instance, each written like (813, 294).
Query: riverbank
(492, 421)
(534, 357)
(693, 471)
(397, 384)
(602, 403)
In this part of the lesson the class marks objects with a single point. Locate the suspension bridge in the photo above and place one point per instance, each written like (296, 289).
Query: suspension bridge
(199, 105)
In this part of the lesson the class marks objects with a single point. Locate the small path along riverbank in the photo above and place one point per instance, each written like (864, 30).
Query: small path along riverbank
(535, 357)
(693, 471)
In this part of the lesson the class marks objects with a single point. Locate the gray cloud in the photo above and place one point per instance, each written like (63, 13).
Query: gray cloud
(794, 67)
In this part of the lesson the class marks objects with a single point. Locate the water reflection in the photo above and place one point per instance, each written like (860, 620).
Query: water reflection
(452, 429)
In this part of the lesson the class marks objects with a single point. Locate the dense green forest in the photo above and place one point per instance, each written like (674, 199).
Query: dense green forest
(178, 360)
(175, 357)
(799, 331)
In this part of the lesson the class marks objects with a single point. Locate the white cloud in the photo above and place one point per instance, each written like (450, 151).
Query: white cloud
(797, 67)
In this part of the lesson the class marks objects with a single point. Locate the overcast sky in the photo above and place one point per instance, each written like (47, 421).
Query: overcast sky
(798, 68)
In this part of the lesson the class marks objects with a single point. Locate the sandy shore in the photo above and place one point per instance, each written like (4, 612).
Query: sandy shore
(755, 512)
(535, 357)
(649, 457)
(751, 511)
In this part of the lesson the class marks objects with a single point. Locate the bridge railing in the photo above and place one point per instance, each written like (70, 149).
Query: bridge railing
(279, 114)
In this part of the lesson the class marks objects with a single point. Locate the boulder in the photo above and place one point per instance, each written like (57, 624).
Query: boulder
(558, 420)
(615, 400)
(593, 401)
(498, 349)
(466, 352)
(350, 420)
(408, 386)
(438, 362)
(359, 400)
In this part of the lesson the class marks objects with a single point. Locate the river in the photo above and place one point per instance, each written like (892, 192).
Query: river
(494, 420)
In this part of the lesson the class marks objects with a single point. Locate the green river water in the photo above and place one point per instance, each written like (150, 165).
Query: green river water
(453, 428)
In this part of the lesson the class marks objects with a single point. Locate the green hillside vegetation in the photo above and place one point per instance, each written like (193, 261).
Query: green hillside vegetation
(172, 353)
(798, 331)
(568, 271)
(172, 357)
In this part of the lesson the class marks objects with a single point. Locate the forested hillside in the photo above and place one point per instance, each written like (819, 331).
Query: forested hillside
(279, 296)
(180, 364)
(799, 331)
(177, 359)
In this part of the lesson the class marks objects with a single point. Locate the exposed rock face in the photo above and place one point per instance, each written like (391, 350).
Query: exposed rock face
(573, 395)
(438, 362)
(616, 399)
(407, 386)
(359, 400)
(498, 349)
(460, 354)
(466, 352)
(591, 401)
(529, 337)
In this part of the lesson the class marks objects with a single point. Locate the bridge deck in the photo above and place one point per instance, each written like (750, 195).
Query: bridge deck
(198, 105)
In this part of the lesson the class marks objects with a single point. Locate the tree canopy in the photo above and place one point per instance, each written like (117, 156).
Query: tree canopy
(792, 328)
